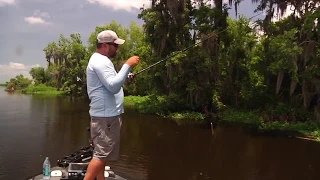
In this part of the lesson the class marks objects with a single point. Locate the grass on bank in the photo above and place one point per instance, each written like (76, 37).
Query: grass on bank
(251, 119)
(254, 119)
(157, 105)
(41, 89)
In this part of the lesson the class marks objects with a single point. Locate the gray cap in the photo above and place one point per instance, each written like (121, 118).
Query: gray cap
(108, 36)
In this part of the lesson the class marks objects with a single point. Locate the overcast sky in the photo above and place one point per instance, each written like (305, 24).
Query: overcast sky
(27, 26)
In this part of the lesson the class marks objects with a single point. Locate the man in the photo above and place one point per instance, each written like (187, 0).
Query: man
(104, 87)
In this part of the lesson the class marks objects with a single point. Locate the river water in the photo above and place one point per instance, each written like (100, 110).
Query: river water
(33, 127)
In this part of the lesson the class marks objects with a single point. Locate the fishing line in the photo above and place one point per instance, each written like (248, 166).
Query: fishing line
(215, 34)
(178, 53)
(193, 45)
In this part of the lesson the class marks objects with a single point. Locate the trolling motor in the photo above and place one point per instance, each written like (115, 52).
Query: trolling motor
(84, 155)
(78, 163)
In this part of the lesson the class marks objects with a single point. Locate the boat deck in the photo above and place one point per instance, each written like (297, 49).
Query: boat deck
(65, 175)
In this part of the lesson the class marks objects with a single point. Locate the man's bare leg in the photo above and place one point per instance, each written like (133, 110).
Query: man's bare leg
(100, 175)
(95, 169)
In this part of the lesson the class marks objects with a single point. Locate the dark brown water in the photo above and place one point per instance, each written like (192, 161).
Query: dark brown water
(32, 127)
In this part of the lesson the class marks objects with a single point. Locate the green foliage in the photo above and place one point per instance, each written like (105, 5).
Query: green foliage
(285, 112)
(157, 105)
(50, 75)
(188, 117)
(273, 73)
(236, 67)
(38, 75)
(148, 104)
(305, 128)
(69, 57)
(256, 96)
(41, 89)
(139, 46)
(18, 83)
(73, 86)
(283, 49)
(204, 16)
(240, 75)
(251, 118)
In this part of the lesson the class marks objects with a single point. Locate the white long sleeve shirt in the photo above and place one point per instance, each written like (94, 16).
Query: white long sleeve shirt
(104, 86)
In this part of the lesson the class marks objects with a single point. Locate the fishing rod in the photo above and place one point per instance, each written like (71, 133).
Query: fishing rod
(185, 49)
(215, 34)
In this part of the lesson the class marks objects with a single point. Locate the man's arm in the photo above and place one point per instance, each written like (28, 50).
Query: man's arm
(109, 80)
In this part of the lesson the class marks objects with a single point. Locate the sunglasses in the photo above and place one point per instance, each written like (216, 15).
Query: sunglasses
(113, 44)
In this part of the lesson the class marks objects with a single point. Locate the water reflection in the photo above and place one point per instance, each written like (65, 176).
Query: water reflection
(151, 147)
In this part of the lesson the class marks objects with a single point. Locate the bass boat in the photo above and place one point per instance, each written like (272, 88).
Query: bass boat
(74, 167)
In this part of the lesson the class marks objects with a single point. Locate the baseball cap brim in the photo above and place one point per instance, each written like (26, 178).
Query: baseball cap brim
(119, 41)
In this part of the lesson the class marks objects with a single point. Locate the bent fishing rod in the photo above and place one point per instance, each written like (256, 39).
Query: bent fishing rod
(168, 57)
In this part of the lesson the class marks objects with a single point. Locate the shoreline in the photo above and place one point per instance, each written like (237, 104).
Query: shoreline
(308, 130)
(277, 132)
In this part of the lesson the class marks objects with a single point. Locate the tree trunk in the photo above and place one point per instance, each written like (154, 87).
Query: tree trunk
(48, 60)
(317, 112)
(279, 81)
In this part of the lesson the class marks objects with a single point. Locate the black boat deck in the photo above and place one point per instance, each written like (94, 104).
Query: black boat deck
(65, 174)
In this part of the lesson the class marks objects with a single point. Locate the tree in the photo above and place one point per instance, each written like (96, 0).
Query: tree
(38, 74)
(19, 82)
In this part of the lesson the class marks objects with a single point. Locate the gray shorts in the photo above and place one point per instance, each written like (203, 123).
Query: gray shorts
(105, 134)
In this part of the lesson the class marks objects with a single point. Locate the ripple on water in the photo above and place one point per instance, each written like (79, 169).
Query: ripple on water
(133, 166)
